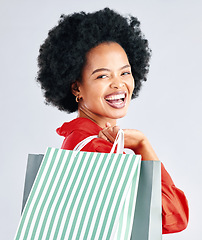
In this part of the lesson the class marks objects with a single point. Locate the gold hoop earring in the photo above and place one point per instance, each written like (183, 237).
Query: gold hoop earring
(77, 98)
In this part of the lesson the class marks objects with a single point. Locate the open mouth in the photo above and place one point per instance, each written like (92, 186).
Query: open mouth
(116, 100)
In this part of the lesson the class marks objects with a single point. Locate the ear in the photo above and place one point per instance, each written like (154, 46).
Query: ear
(75, 88)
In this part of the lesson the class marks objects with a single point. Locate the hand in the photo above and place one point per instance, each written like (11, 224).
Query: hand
(109, 133)
(133, 139)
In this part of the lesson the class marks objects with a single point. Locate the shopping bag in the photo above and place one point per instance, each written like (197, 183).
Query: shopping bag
(147, 223)
(82, 195)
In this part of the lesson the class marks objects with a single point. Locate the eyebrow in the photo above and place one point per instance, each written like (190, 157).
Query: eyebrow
(106, 69)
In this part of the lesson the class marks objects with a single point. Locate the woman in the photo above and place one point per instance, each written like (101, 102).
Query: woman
(95, 64)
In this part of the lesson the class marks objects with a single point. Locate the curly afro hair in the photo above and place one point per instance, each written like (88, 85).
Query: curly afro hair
(63, 54)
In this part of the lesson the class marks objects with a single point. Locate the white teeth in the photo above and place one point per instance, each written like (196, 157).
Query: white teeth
(115, 97)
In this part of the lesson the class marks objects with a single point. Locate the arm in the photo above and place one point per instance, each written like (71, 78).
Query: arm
(175, 211)
(133, 139)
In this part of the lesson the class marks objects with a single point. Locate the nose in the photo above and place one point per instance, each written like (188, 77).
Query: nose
(117, 83)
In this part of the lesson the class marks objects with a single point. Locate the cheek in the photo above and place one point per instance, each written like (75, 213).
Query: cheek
(131, 85)
(90, 92)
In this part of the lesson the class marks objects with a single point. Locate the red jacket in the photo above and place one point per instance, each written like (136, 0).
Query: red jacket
(175, 210)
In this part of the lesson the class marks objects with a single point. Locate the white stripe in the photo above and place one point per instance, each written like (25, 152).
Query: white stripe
(108, 196)
(36, 193)
(118, 193)
(125, 213)
(132, 196)
(66, 190)
(79, 196)
(86, 196)
(101, 195)
(101, 198)
(135, 192)
(43, 193)
(124, 198)
(50, 196)
(134, 167)
(116, 233)
(95, 193)
(129, 215)
(72, 194)
(57, 195)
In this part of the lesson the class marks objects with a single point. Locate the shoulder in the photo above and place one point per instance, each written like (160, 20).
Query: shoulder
(95, 145)
(72, 139)
(79, 124)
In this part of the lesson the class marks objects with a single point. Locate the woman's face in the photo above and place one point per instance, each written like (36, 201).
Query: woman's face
(107, 84)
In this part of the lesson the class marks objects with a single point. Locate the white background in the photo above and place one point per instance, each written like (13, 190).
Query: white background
(168, 110)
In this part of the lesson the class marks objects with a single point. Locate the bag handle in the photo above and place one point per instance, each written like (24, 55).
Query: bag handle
(84, 142)
(119, 142)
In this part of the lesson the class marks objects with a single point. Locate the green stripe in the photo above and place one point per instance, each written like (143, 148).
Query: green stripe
(91, 193)
(113, 195)
(64, 206)
(120, 223)
(98, 194)
(40, 193)
(29, 200)
(45, 199)
(130, 208)
(105, 195)
(119, 199)
(63, 189)
(76, 196)
(68, 196)
(83, 195)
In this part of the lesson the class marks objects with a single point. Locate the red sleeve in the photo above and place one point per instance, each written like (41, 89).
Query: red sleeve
(175, 212)
(174, 203)
(96, 145)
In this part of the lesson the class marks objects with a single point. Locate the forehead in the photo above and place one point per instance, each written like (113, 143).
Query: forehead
(106, 54)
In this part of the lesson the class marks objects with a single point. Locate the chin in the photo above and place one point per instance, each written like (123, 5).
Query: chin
(118, 115)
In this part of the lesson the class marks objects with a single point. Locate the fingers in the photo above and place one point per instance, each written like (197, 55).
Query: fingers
(101, 135)
(109, 133)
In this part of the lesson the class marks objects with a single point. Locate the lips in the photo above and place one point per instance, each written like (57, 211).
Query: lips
(117, 99)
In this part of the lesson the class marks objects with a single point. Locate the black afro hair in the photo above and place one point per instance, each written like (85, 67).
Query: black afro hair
(63, 54)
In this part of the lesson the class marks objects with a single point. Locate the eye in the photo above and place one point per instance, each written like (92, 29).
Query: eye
(126, 73)
(102, 76)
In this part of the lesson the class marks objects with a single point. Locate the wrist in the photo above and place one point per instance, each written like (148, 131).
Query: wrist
(134, 139)
(146, 151)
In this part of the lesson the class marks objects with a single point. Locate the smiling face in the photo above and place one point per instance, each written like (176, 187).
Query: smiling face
(107, 84)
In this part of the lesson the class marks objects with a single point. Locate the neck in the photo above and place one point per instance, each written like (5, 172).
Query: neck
(99, 120)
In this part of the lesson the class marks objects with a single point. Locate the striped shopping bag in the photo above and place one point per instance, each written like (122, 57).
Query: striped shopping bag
(82, 195)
